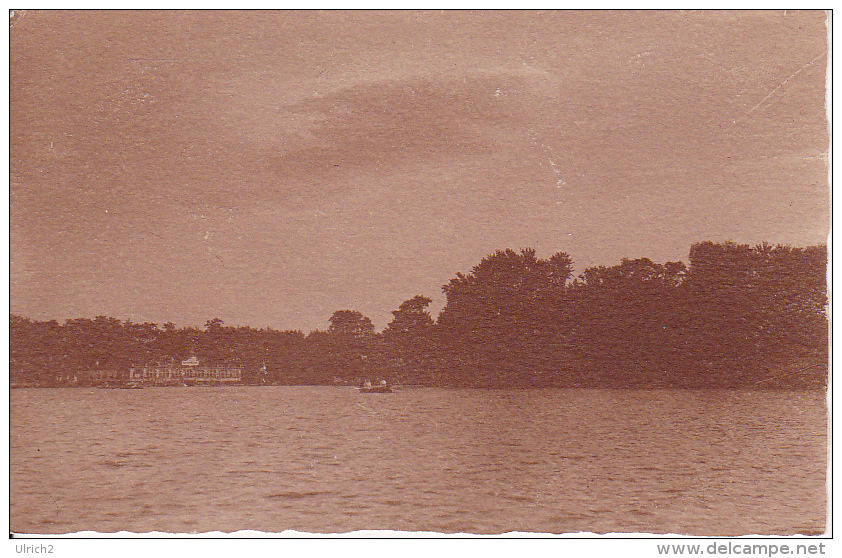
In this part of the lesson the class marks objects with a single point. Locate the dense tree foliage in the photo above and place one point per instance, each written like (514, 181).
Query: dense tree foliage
(47, 353)
(736, 316)
(408, 346)
(502, 321)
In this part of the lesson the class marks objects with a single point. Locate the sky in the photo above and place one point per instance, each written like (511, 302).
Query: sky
(270, 168)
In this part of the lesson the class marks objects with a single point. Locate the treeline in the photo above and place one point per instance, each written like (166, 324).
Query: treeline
(737, 316)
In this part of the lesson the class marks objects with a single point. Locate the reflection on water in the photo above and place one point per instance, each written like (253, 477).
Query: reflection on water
(323, 459)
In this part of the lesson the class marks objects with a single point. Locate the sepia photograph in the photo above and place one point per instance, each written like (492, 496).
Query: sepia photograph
(420, 273)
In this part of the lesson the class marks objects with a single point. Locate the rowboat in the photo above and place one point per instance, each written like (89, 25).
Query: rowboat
(382, 387)
(376, 389)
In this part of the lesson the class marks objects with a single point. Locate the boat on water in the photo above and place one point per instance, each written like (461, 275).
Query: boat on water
(132, 385)
(382, 387)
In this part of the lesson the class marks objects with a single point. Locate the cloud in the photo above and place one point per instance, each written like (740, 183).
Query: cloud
(377, 126)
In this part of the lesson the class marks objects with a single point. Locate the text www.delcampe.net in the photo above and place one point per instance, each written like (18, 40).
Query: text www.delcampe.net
(732, 548)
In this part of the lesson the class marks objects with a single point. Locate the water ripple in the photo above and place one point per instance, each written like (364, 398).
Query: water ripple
(324, 460)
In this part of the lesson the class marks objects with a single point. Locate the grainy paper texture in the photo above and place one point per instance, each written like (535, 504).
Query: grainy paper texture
(471, 272)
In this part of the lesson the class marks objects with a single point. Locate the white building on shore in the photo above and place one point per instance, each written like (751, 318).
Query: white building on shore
(190, 373)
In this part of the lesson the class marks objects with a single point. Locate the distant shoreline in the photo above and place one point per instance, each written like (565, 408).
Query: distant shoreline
(738, 316)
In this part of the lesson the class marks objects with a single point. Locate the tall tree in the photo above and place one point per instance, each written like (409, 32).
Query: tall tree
(408, 341)
(350, 323)
(351, 344)
(496, 317)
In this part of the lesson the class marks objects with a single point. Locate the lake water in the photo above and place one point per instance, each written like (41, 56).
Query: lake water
(331, 460)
